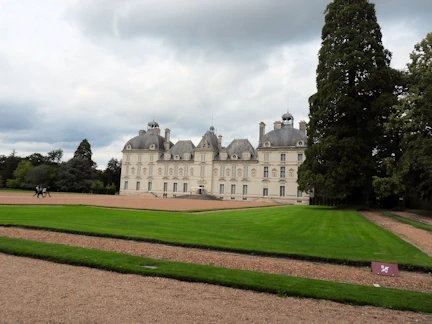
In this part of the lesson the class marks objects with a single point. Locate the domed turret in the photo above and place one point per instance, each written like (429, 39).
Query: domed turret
(150, 140)
(285, 136)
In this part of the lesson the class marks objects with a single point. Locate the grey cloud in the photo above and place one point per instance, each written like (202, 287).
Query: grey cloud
(212, 26)
(16, 116)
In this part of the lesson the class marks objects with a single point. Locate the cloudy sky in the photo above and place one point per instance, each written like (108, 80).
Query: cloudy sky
(103, 69)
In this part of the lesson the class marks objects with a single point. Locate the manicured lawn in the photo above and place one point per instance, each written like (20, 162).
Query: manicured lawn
(411, 222)
(299, 231)
(262, 282)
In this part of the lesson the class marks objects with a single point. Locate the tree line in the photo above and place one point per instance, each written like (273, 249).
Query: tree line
(370, 125)
(79, 174)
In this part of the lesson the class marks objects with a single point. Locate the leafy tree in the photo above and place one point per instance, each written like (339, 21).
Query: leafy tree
(84, 152)
(111, 175)
(75, 175)
(36, 159)
(55, 156)
(19, 175)
(8, 164)
(41, 174)
(356, 89)
(412, 171)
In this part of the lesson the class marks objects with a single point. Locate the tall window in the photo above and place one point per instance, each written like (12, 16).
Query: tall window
(165, 189)
(283, 157)
(149, 186)
(265, 172)
(126, 185)
(138, 184)
(165, 170)
(139, 170)
(244, 190)
(127, 169)
(151, 157)
(150, 170)
(186, 173)
(245, 172)
(139, 158)
(265, 192)
(175, 187)
(282, 191)
(221, 188)
(300, 157)
(233, 189)
(233, 171)
(203, 157)
(282, 172)
(176, 170)
(184, 187)
(266, 157)
(299, 193)
(222, 172)
(127, 157)
(202, 170)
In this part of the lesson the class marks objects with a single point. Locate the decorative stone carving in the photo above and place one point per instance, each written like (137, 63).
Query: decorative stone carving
(291, 173)
(160, 171)
(253, 172)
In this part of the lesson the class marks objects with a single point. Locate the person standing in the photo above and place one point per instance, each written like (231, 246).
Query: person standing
(37, 191)
(47, 191)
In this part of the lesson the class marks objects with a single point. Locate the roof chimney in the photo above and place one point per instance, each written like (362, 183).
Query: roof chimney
(261, 130)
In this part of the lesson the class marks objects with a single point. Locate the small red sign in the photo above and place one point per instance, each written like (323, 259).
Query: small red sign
(385, 269)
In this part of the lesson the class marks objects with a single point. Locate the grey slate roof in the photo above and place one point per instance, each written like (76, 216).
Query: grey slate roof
(182, 147)
(238, 146)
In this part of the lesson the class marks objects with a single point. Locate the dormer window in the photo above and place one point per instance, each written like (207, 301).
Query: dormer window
(176, 157)
(300, 143)
(129, 147)
(234, 157)
(267, 144)
(152, 147)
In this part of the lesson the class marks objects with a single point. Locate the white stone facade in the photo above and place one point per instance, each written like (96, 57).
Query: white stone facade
(152, 164)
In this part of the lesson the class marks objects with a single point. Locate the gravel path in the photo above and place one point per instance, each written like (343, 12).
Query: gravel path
(35, 291)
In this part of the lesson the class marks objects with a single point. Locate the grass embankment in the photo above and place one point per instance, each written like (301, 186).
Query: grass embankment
(301, 232)
(409, 221)
(255, 281)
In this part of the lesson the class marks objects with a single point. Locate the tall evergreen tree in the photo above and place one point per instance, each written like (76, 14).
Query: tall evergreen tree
(84, 151)
(355, 95)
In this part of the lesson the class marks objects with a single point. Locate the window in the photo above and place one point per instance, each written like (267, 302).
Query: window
(202, 170)
(184, 187)
(176, 171)
(283, 157)
(265, 192)
(150, 170)
(138, 185)
(265, 172)
(300, 157)
(233, 189)
(165, 170)
(233, 171)
(127, 169)
(234, 157)
(299, 193)
(282, 191)
(165, 188)
(221, 188)
(222, 172)
(138, 170)
(244, 190)
(186, 173)
(151, 157)
(266, 157)
(175, 187)
(139, 158)
(282, 172)
(127, 157)
(203, 157)
(126, 185)
(149, 186)
(245, 172)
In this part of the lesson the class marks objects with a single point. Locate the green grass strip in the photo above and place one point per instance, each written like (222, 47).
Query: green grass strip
(255, 281)
(409, 221)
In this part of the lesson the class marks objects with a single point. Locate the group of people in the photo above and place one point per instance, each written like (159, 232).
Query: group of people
(41, 191)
